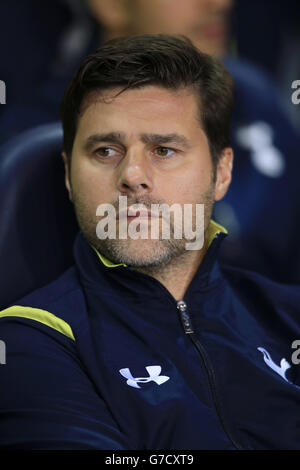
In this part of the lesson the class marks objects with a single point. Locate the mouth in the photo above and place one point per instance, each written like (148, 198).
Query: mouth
(133, 213)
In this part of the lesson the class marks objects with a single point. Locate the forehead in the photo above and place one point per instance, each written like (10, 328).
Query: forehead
(150, 108)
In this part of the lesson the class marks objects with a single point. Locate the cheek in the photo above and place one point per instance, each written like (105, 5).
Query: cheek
(191, 182)
(185, 190)
(89, 186)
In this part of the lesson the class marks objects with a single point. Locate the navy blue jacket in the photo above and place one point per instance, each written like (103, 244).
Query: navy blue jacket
(106, 358)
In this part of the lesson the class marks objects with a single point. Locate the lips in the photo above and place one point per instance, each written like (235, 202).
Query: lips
(133, 212)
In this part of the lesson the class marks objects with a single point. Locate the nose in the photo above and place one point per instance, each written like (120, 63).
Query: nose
(134, 176)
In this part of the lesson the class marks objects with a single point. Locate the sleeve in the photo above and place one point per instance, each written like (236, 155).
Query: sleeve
(47, 401)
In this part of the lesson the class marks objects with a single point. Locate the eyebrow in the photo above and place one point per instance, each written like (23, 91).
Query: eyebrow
(165, 139)
(120, 137)
(112, 137)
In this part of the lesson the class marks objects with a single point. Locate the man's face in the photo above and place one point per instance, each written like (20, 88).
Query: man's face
(146, 144)
(205, 22)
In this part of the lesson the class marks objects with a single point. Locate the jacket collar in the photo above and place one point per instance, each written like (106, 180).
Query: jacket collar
(214, 230)
(96, 270)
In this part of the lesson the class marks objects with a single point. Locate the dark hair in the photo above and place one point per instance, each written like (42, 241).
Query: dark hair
(171, 62)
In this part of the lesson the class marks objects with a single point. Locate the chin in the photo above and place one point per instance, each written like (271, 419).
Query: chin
(141, 252)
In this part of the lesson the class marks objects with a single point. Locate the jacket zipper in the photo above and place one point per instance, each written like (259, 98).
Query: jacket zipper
(189, 330)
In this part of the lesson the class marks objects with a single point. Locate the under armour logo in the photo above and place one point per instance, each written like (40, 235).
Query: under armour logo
(284, 365)
(154, 376)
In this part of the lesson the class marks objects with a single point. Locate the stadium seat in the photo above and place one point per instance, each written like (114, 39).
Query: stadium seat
(38, 225)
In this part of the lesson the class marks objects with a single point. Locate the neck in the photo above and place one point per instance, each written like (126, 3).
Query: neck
(177, 275)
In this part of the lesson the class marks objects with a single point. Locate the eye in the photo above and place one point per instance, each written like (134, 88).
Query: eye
(105, 152)
(165, 152)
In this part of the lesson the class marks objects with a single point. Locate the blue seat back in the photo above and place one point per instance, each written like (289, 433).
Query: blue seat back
(37, 221)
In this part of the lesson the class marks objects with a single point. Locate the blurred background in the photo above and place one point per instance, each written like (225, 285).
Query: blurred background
(43, 42)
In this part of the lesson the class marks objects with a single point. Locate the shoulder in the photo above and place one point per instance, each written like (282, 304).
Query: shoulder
(59, 306)
(244, 279)
(264, 295)
(58, 292)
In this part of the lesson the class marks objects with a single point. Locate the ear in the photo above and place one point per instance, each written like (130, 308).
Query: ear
(67, 174)
(113, 15)
(223, 173)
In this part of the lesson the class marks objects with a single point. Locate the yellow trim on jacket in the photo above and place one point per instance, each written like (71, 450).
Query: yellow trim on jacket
(41, 316)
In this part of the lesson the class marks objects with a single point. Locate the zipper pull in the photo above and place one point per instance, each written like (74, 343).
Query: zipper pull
(184, 317)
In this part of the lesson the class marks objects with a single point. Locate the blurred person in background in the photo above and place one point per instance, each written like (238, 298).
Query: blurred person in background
(30, 41)
(205, 22)
(278, 51)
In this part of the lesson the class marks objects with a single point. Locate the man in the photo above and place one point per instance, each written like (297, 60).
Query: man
(145, 344)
